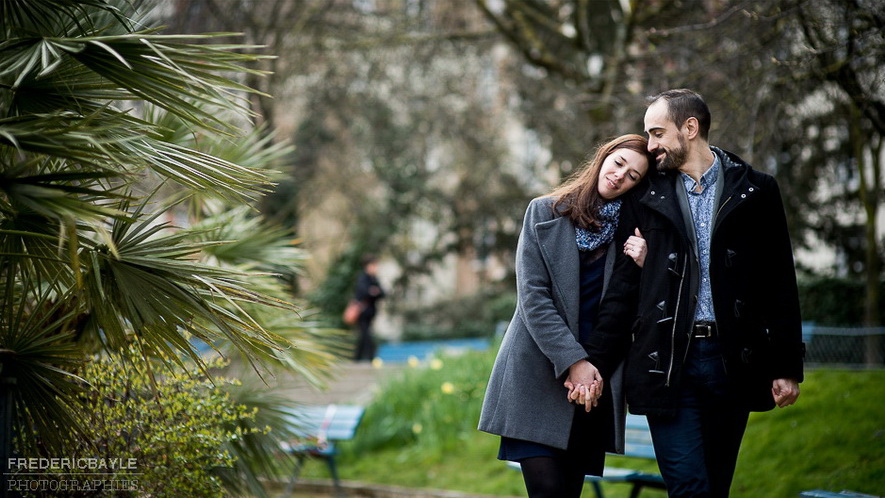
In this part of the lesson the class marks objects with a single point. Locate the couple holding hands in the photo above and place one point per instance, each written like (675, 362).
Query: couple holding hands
(659, 277)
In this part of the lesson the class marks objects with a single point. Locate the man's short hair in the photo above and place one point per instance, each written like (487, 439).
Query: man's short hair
(682, 104)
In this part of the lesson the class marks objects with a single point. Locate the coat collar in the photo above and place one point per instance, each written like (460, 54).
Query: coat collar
(736, 189)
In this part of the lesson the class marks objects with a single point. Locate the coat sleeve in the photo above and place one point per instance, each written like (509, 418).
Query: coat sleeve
(536, 300)
(611, 337)
(781, 315)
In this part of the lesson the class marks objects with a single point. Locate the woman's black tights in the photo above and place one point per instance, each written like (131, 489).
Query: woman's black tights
(548, 477)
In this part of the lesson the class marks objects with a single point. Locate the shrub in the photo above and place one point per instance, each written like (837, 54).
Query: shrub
(176, 430)
(832, 301)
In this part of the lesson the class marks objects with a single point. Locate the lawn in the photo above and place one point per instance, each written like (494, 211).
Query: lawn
(420, 432)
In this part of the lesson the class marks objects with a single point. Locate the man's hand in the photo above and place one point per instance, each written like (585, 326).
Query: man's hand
(785, 391)
(584, 384)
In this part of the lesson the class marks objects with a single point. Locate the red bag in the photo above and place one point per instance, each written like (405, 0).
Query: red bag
(352, 312)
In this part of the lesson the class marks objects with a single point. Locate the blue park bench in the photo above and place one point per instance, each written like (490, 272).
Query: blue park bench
(637, 445)
(317, 429)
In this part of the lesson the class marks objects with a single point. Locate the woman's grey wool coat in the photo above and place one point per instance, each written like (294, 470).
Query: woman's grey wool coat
(525, 398)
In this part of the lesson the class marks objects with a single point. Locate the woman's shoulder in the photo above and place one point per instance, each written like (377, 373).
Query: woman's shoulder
(541, 208)
(543, 202)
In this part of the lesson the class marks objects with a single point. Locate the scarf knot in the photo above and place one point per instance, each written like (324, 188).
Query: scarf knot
(589, 240)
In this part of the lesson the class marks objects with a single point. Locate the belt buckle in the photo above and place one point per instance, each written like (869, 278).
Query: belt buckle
(707, 329)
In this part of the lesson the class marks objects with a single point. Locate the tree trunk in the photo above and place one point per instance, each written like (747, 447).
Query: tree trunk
(869, 192)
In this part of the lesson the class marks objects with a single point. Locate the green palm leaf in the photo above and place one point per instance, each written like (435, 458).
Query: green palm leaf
(152, 285)
(114, 141)
(266, 246)
(183, 78)
(44, 15)
(39, 355)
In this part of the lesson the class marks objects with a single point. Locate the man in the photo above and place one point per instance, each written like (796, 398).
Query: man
(710, 327)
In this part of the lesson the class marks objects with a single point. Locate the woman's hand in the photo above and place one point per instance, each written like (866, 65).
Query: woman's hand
(636, 248)
(584, 384)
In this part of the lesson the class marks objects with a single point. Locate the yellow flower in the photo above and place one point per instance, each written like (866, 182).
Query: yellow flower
(413, 361)
(417, 428)
(377, 362)
(447, 388)
(436, 364)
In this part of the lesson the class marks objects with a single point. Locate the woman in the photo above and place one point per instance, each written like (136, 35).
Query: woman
(562, 263)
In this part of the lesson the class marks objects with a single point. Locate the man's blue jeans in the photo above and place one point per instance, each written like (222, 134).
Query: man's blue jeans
(697, 449)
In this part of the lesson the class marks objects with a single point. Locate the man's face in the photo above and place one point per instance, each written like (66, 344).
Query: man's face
(665, 141)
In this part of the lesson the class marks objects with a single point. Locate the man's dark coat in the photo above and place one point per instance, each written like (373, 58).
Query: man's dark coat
(647, 313)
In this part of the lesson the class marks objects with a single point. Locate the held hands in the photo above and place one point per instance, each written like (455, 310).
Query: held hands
(584, 384)
(785, 392)
(636, 248)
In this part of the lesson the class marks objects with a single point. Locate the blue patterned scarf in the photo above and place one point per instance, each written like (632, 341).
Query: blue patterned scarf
(608, 217)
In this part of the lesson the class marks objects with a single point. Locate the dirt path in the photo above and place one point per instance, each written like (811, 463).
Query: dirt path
(352, 383)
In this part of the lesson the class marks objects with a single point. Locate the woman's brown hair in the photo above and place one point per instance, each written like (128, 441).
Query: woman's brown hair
(578, 197)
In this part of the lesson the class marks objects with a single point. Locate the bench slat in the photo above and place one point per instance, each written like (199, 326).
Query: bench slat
(320, 427)
(335, 422)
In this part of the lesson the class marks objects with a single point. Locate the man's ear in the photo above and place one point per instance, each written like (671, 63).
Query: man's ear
(690, 128)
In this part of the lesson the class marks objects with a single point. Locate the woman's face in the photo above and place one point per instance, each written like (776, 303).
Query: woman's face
(621, 170)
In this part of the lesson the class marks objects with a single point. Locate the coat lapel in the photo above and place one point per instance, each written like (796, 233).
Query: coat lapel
(560, 252)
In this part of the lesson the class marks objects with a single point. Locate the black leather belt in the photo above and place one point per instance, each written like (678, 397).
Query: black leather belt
(704, 330)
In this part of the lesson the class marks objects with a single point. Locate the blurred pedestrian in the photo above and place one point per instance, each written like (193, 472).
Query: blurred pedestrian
(563, 259)
(368, 292)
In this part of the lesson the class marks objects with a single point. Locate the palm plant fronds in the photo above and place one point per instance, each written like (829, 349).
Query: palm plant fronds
(44, 15)
(267, 246)
(100, 140)
(315, 348)
(153, 284)
(183, 78)
(257, 149)
(37, 351)
(74, 195)
(197, 170)
(95, 109)
(109, 140)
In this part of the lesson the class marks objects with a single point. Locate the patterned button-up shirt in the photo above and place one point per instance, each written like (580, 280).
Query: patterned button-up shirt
(703, 208)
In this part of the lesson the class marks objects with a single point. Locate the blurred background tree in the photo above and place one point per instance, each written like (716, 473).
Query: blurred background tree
(518, 91)
(422, 127)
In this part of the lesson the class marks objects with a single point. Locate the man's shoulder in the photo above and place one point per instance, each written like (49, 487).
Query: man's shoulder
(730, 160)
(735, 165)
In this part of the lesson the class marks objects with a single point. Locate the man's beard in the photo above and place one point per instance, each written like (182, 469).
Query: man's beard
(675, 158)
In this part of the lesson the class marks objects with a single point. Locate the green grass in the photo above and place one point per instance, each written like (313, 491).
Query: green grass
(421, 432)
